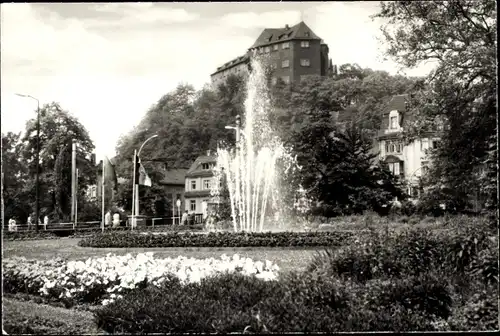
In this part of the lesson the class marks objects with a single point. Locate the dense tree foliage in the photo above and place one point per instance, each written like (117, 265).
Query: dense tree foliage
(460, 94)
(57, 130)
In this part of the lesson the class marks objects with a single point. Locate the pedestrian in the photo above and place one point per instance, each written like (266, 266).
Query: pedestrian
(12, 225)
(30, 224)
(184, 218)
(45, 221)
(107, 219)
(116, 220)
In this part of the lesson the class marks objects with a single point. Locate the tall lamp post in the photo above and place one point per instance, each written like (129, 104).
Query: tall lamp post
(135, 188)
(238, 191)
(37, 159)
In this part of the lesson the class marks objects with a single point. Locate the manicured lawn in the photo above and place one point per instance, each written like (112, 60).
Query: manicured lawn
(286, 258)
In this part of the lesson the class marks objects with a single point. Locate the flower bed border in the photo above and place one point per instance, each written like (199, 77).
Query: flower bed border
(217, 239)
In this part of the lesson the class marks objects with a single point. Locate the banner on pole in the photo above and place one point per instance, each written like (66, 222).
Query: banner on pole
(142, 177)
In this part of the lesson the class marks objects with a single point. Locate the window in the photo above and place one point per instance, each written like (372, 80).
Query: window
(394, 168)
(304, 44)
(435, 144)
(285, 64)
(205, 166)
(306, 34)
(193, 185)
(394, 122)
(275, 47)
(286, 79)
(305, 62)
(267, 49)
(424, 145)
(206, 184)
(286, 45)
(192, 205)
(393, 147)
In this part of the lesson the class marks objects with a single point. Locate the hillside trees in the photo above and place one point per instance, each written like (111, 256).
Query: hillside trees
(460, 36)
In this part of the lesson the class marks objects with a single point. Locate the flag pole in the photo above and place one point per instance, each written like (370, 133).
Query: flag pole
(102, 195)
(133, 190)
(76, 200)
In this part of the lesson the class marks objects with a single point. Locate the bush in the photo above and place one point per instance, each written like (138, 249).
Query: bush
(412, 252)
(300, 302)
(218, 239)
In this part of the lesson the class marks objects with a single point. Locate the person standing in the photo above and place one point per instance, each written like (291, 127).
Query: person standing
(45, 221)
(107, 218)
(30, 224)
(116, 220)
(184, 218)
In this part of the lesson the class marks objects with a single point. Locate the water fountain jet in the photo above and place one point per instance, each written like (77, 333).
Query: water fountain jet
(251, 172)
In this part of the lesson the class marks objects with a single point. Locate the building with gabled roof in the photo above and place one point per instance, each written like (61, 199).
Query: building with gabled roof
(410, 160)
(199, 180)
(293, 53)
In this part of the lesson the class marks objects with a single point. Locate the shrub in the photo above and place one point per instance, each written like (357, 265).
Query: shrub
(479, 312)
(412, 252)
(300, 302)
(218, 239)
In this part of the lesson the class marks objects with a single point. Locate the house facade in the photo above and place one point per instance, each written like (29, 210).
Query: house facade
(293, 53)
(173, 183)
(198, 183)
(409, 161)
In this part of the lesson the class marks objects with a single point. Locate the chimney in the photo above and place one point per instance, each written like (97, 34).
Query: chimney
(287, 27)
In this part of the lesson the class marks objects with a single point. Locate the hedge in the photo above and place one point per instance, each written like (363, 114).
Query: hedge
(298, 303)
(219, 239)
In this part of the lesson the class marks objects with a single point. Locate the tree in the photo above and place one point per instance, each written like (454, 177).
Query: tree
(338, 169)
(14, 177)
(461, 92)
(57, 130)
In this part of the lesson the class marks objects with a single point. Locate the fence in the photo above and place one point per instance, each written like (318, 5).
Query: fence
(154, 222)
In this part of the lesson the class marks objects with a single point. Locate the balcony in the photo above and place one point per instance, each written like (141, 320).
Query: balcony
(197, 193)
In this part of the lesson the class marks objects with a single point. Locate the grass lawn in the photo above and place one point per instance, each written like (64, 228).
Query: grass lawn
(27, 317)
(286, 258)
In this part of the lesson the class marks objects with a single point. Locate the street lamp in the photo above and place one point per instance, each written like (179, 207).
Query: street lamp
(37, 158)
(135, 188)
(237, 158)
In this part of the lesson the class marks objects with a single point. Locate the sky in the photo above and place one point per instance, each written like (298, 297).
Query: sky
(108, 63)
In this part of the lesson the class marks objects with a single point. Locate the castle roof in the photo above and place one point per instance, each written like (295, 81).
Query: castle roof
(274, 35)
(238, 60)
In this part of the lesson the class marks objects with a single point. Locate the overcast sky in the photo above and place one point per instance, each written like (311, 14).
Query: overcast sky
(108, 63)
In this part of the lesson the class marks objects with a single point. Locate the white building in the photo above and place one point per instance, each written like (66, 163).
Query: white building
(199, 179)
(408, 161)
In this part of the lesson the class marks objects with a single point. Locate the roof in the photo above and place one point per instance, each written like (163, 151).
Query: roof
(238, 60)
(196, 168)
(273, 35)
(397, 103)
(174, 176)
